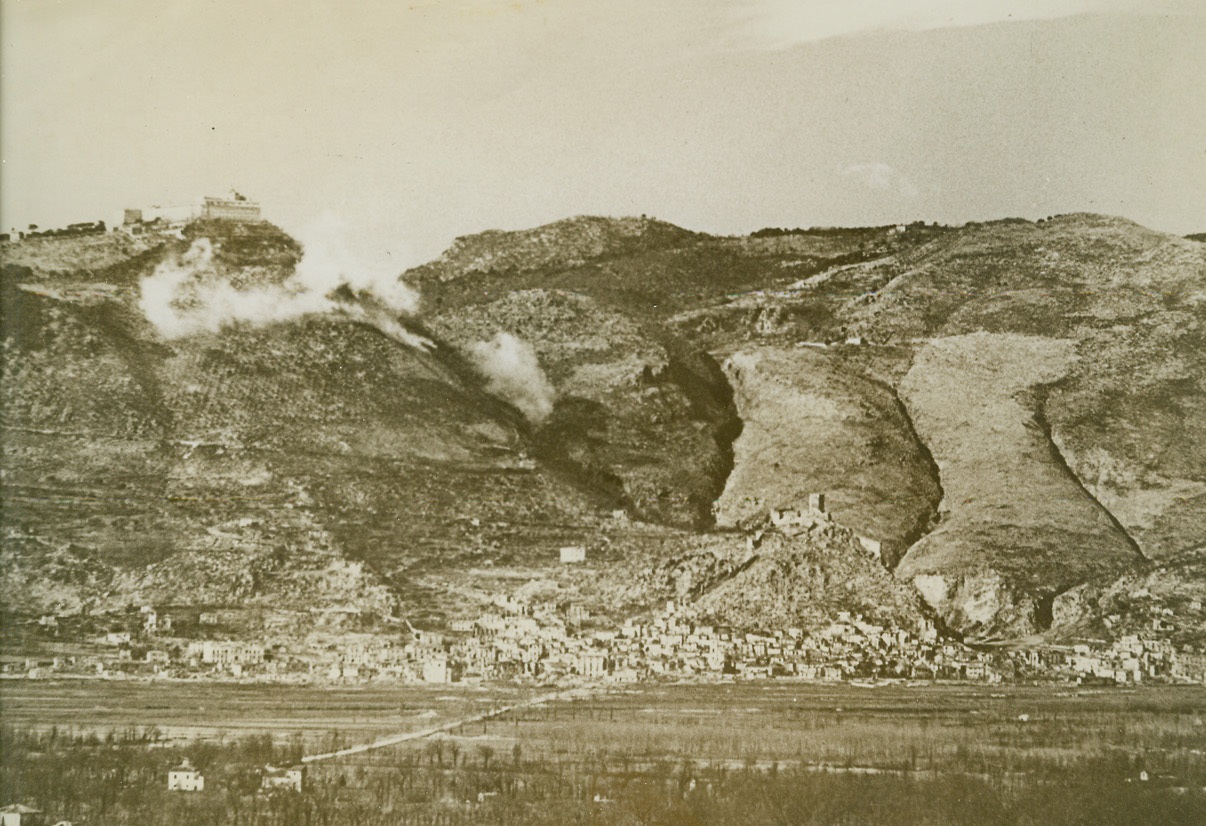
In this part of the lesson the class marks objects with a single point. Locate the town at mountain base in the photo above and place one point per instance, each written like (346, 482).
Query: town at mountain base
(323, 477)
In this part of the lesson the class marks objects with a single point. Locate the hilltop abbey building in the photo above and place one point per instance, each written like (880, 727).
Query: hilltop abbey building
(234, 208)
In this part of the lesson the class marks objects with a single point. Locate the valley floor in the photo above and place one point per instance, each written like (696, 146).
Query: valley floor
(743, 753)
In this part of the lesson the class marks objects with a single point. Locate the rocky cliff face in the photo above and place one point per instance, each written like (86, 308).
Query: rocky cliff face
(810, 426)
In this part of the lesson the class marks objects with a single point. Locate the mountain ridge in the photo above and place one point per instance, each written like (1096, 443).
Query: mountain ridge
(380, 426)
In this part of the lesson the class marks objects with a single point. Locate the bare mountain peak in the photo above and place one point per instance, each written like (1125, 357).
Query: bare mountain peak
(565, 243)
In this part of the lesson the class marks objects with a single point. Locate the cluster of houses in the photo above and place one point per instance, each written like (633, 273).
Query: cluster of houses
(678, 643)
(551, 643)
(188, 778)
(1130, 659)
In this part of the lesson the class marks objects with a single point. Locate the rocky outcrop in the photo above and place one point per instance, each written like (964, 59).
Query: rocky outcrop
(1012, 510)
(806, 579)
(813, 425)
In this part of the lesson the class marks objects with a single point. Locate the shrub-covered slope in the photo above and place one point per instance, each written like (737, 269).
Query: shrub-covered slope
(1095, 410)
(1043, 380)
(125, 451)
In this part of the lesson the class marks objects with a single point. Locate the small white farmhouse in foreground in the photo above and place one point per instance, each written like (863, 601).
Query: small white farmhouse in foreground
(17, 814)
(282, 778)
(185, 778)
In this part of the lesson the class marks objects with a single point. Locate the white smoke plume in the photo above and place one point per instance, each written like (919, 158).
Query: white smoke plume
(329, 263)
(513, 374)
(187, 295)
(375, 313)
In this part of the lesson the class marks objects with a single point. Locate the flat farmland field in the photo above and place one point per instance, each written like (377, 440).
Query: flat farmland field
(208, 711)
(752, 753)
(795, 753)
(882, 729)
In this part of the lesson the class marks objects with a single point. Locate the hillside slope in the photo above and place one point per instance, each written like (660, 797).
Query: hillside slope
(1012, 409)
(637, 411)
(1016, 521)
(130, 453)
(1110, 423)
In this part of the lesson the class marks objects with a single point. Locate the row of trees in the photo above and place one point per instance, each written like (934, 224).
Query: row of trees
(119, 777)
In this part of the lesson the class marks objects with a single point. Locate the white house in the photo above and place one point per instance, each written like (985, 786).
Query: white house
(185, 778)
(435, 670)
(17, 814)
(871, 546)
(227, 652)
(573, 553)
(592, 664)
(282, 778)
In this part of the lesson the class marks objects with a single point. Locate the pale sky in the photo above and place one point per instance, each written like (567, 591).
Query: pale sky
(417, 122)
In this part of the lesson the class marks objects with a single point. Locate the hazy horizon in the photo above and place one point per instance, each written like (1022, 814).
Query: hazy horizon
(417, 124)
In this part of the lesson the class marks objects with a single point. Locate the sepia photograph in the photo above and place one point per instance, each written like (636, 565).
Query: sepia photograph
(602, 412)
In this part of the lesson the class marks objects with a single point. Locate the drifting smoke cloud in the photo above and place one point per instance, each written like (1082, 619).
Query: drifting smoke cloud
(330, 263)
(514, 375)
(187, 295)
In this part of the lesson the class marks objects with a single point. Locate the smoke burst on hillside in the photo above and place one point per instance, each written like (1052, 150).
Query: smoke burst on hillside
(513, 374)
(188, 295)
(329, 262)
